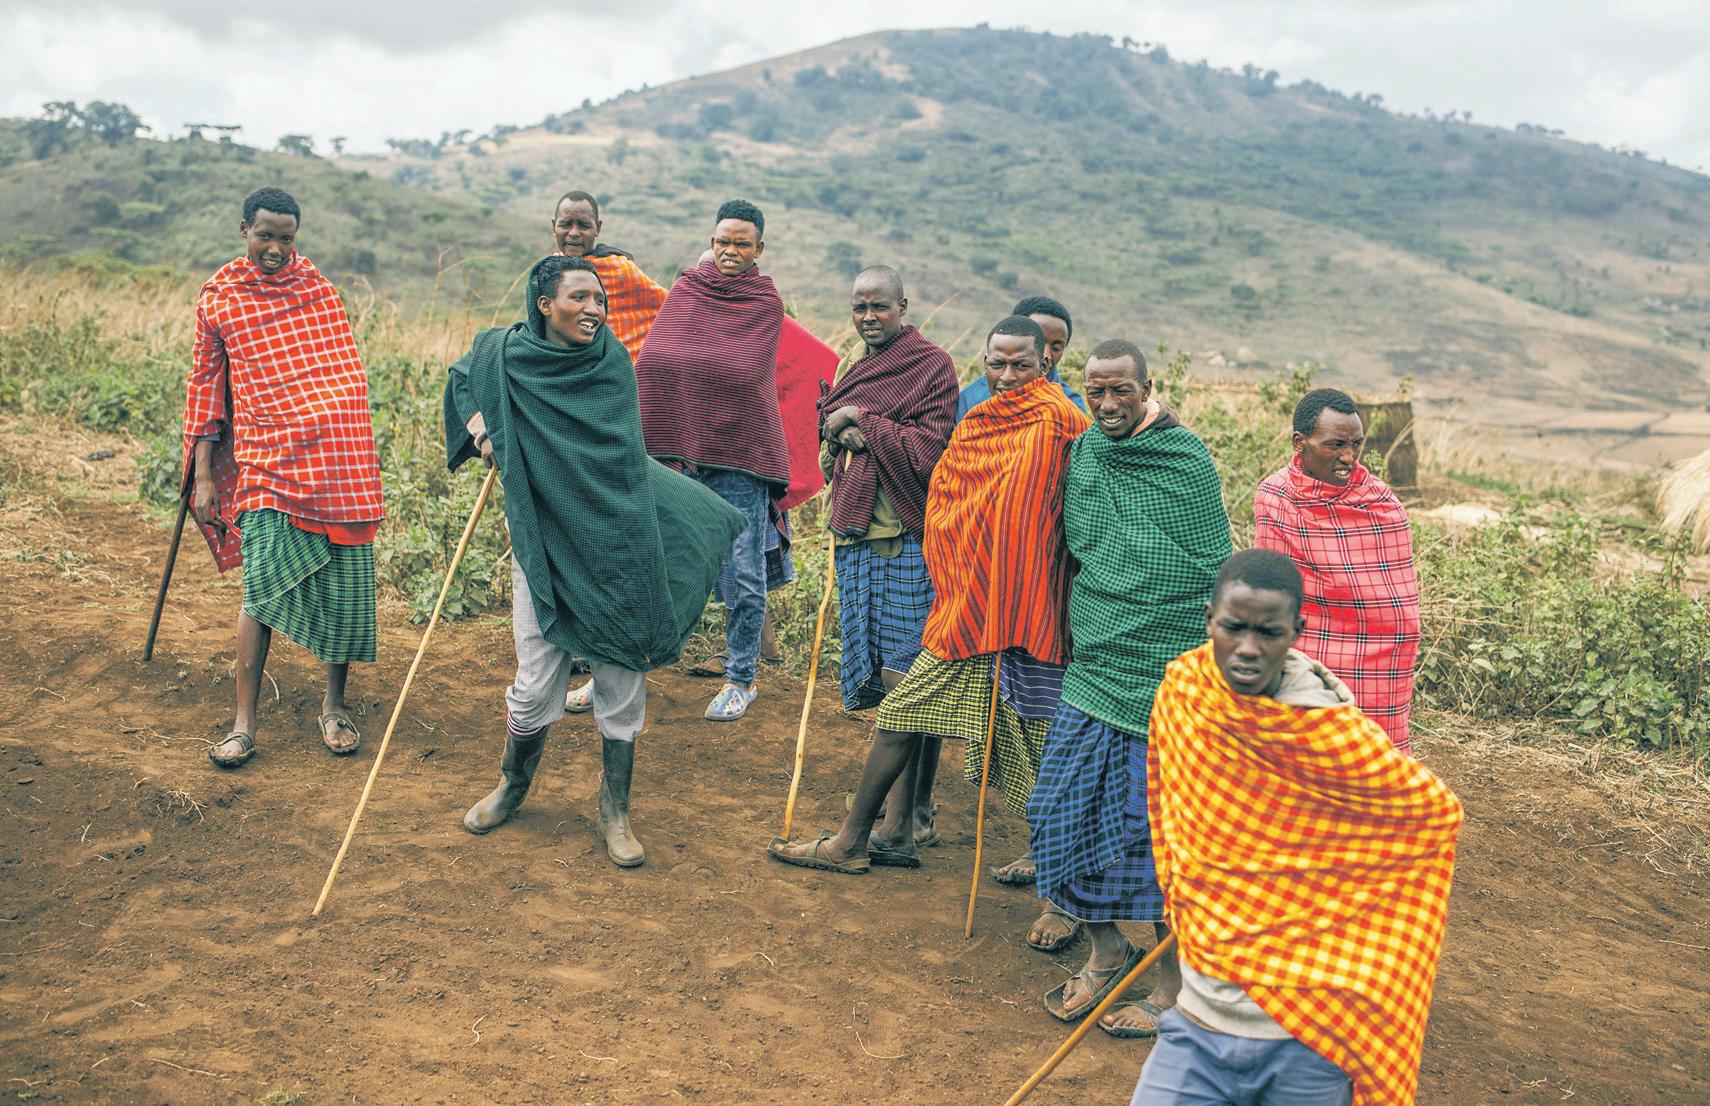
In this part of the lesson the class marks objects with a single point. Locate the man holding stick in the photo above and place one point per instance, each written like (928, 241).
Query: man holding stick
(551, 402)
(994, 546)
(1143, 515)
(284, 478)
(1306, 863)
(884, 423)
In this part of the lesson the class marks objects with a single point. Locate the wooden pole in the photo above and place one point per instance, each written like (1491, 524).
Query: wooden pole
(1091, 1020)
(980, 817)
(166, 572)
(813, 675)
(433, 620)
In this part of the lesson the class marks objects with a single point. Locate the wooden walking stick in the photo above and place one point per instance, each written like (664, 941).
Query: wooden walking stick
(166, 572)
(1091, 1020)
(813, 675)
(404, 693)
(980, 817)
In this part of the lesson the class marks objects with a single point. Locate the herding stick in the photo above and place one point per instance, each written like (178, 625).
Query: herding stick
(980, 817)
(166, 573)
(813, 674)
(1091, 1020)
(433, 620)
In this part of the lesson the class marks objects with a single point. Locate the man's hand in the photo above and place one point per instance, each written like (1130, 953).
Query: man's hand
(840, 421)
(488, 457)
(204, 501)
(852, 440)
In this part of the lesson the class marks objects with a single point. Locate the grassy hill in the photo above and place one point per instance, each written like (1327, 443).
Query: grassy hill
(178, 204)
(1248, 222)
(1519, 275)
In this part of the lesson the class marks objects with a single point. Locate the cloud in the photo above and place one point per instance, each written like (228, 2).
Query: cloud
(1635, 74)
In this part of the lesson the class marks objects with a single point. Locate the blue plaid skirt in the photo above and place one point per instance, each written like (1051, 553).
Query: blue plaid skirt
(882, 604)
(1092, 840)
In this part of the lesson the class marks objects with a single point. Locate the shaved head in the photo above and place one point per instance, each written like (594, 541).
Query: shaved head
(880, 278)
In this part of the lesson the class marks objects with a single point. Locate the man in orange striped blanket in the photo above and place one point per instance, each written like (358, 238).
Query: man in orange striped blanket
(1305, 863)
(633, 298)
(1000, 575)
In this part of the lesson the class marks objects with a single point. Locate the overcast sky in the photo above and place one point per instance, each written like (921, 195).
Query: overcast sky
(1635, 73)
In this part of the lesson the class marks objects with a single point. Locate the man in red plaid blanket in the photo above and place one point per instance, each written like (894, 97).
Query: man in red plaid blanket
(280, 464)
(1348, 534)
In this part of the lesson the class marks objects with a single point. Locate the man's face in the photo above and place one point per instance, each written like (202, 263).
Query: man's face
(574, 314)
(1056, 338)
(271, 239)
(1334, 446)
(877, 312)
(1012, 360)
(736, 246)
(1251, 632)
(1117, 399)
(575, 228)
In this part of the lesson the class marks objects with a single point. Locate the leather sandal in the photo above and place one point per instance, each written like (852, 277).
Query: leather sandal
(246, 749)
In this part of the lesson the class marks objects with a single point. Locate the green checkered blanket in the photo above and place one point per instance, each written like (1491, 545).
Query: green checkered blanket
(619, 551)
(1144, 517)
(319, 594)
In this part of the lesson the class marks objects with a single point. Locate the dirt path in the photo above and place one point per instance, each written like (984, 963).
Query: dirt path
(156, 945)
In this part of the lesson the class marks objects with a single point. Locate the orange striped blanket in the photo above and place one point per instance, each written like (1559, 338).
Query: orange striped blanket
(1307, 859)
(994, 528)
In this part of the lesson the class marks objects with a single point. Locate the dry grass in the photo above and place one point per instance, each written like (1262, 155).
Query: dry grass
(1683, 500)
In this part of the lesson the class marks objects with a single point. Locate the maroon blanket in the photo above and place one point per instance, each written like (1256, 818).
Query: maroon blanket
(708, 376)
(907, 396)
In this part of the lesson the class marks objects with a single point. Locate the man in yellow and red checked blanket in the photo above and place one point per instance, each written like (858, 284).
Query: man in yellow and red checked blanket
(1305, 863)
(283, 475)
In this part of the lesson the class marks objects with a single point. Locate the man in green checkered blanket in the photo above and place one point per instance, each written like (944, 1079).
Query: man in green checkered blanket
(1143, 515)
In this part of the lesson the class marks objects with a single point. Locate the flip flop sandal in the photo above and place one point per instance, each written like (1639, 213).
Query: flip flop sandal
(580, 701)
(1064, 942)
(887, 856)
(246, 743)
(855, 866)
(774, 659)
(1126, 1034)
(1014, 879)
(711, 668)
(340, 721)
(1106, 978)
(730, 704)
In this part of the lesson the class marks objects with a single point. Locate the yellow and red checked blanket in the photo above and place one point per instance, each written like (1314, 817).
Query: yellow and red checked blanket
(1307, 859)
(994, 528)
(276, 374)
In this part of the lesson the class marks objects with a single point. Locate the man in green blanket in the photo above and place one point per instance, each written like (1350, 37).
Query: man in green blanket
(1143, 515)
(552, 402)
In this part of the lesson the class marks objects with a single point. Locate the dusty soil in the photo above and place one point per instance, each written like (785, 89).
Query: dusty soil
(156, 944)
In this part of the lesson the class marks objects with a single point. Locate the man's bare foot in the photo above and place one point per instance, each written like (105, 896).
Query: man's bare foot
(1135, 1020)
(1083, 990)
(1017, 873)
(1054, 930)
(338, 732)
(823, 853)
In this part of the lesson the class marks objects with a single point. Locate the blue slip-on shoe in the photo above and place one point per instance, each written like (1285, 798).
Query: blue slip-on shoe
(730, 703)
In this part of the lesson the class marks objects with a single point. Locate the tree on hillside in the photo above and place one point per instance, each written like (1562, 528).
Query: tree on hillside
(337, 143)
(300, 144)
(112, 123)
(49, 134)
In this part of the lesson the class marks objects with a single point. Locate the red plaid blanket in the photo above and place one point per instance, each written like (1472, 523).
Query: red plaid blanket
(275, 373)
(1354, 549)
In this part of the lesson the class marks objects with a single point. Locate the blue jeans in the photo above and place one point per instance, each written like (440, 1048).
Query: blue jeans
(1191, 1066)
(746, 563)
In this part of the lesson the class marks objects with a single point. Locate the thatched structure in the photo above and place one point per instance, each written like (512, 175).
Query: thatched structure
(1683, 498)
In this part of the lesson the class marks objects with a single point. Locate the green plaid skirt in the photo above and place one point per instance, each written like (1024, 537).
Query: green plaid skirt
(951, 699)
(320, 594)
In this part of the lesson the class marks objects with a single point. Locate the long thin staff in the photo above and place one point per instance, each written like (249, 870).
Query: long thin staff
(1091, 1020)
(980, 817)
(433, 620)
(166, 572)
(813, 675)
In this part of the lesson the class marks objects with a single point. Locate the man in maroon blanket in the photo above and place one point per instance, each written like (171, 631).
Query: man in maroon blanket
(709, 406)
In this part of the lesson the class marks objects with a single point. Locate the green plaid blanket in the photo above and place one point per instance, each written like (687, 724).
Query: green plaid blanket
(1144, 517)
(320, 594)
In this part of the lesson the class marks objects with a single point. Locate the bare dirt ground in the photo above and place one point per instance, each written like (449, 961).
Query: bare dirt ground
(156, 944)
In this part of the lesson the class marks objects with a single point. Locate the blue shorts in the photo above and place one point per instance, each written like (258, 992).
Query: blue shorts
(1193, 1066)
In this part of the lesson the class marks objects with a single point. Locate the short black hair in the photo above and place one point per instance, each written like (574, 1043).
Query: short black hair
(1261, 570)
(891, 278)
(276, 200)
(549, 270)
(1022, 327)
(1045, 305)
(742, 209)
(1114, 349)
(578, 195)
(1314, 403)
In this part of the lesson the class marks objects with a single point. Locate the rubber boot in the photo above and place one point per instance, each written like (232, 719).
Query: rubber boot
(516, 769)
(617, 758)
